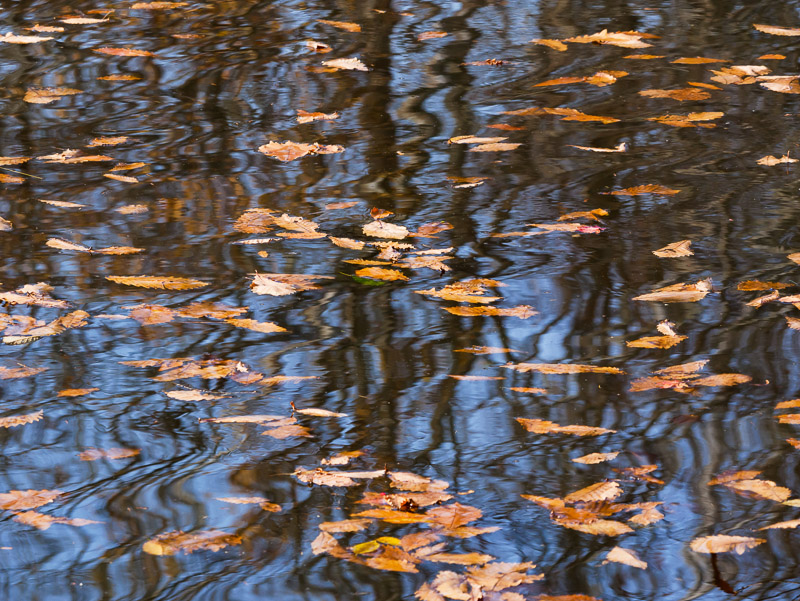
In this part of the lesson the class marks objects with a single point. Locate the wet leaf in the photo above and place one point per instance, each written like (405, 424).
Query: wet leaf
(569, 227)
(27, 499)
(63, 204)
(281, 284)
(46, 29)
(123, 51)
(306, 117)
(114, 453)
(194, 395)
(315, 46)
(645, 189)
(563, 368)
(602, 491)
(623, 39)
(622, 147)
(132, 209)
(522, 311)
(663, 342)
(473, 140)
(346, 64)
(722, 380)
(289, 151)
(244, 419)
(43, 522)
(170, 543)
(157, 5)
(554, 44)
(121, 178)
(379, 273)
(210, 309)
(770, 160)
(750, 285)
(287, 431)
(73, 392)
(430, 35)
(782, 525)
(494, 147)
(414, 482)
(777, 30)
(265, 327)
(10, 38)
(48, 95)
(345, 25)
(382, 229)
(689, 120)
(454, 515)
(722, 543)
(675, 249)
(162, 283)
(21, 420)
(540, 426)
(625, 556)
(697, 60)
(485, 350)
(463, 559)
(682, 94)
(593, 458)
(352, 525)
(678, 293)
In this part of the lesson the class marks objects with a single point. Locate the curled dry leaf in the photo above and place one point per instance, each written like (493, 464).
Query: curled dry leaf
(722, 543)
(540, 426)
(121, 178)
(162, 283)
(626, 556)
(115, 453)
(623, 39)
(770, 160)
(593, 458)
(345, 64)
(315, 46)
(169, 543)
(675, 249)
(601, 491)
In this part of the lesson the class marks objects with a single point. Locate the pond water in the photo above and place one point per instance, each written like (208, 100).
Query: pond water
(218, 80)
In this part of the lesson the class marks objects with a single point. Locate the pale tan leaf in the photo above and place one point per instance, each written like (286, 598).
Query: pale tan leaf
(113, 453)
(21, 420)
(27, 499)
(601, 491)
(10, 38)
(777, 30)
(169, 543)
(722, 543)
(626, 556)
(678, 293)
(593, 458)
(622, 147)
(675, 249)
(121, 51)
(782, 525)
(522, 311)
(540, 426)
(194, 395)
(43, 522)
(265, 327)
(494, 147)
(623, 39)
(562, 368)
(345, 25)
(346, 64)
(353, 525)
(382, 229)
(473, 140)
(770, 160)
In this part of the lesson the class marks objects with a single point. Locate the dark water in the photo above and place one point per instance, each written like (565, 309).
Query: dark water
(381, 353)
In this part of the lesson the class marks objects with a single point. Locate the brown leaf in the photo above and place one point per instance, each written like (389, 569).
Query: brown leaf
(415, 482)
(10, 38)
(778, 57)
(463, 559)
(554, 44)
(315, 46)
(157, 5)
(722, 543)
(169, 543)
(500, 576)
(697, 60)
(347, 26)
(522, 311)
(770, 160)
(306, 117)
(331, 206)
(289, 151)
(562, 368)
(382, 229)
(626, 556)
(681, 94)
(601, 491)
(210, 309)
(678, 293)
(109, 141)
(593, 458)
(378, 273)
(722, 380)
(622, 147)
(122, 51)
(73, 392)
(10, 179)
(662, 342)
(776, 30)
(783, 525)
(48, 95)
(21, 420)
(540, 426)
(115, 453)
(162, 283)
(454, 515)
(265, 327)
(281, 284)
(286, 431)
(345, 525)
(645, 189)
(623, 39)
(675, 249)
(485, 350)
(45, 29)
(27, 499)
(43, 522)
(750, 285)
(788, 404)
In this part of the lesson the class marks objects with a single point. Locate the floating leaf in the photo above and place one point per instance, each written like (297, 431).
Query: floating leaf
(382, 229)
(681, 94)
(623, 39)
(563, 368)
(27, 499)
(645, 189)
(776, 30)
(162, 283)
(622, 147)
(170, 543)
(123, 52)
(48, 95)
(662, 342)
(265, 327)
(378, 273)
(782, 525)
(522, 311)
(430, 35)
(21, 420)
(697, 60)
(353, 525)
(540, 426)
(554, 44)
(115, 453)
(494, 147)
(10, 38)
(770, 160)
(194, 395)
(306, 117)
(43, 522)
(346, 64)
(289, 151)
(345, 25)
(281, 284)
(675, 249)
(593, 458)
(722, 543)
(626, 556)
(678, 293)
(73, 392)
(158, 5)
(602, 491)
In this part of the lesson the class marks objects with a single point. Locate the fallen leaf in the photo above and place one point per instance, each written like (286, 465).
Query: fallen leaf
(522, 311)
(494, 147)
(782, 525)
(540, 426)
(306, 117)
(123, 51)
(345, 25)
(115, 453)
(132, 209)
(626, 556)
(63, 204)
(554, 44)
(485, 350)
(162, 283)
(43, 522)
(265, 327)
(645, 189)
(593, 458)
(46, 29)
(430, 35)
(697, 60)
(346, 64)
(623, 39)
(688, 120)
(663, 342)
(109, 141)
(382, 229)
(776, 30)
(778, 57)
(678, 293)
(454, 515)
(602, 491)
(315, 46)
(158, 5)
(675, 249)
(379, 273)
(722, 543)
(121, 178)
(48, 95)
(73, 392)
(21, 420)
(473, 140)
(622, 147)
(170, 543)
(289, 151)
(681, 94)
(287, 431)
(282, 284)
(770, 160)
(10, 38)
(562, 368)
(27, 499)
